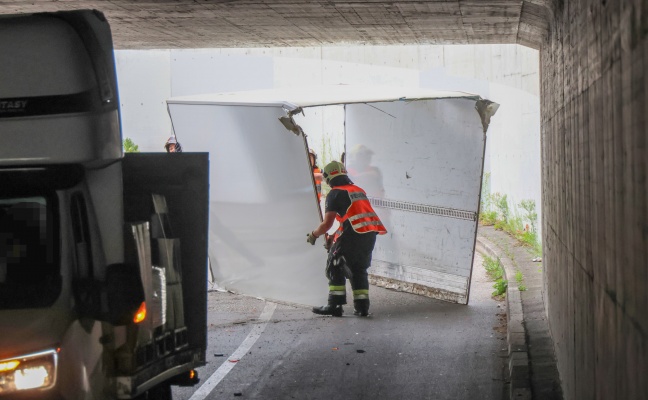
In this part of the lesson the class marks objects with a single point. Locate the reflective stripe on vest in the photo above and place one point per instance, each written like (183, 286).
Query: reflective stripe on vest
(361, 215)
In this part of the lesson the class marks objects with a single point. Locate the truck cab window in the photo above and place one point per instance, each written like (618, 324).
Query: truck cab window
(81, 234)
(29, 265)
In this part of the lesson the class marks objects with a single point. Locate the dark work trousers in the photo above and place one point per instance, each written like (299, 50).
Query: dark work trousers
(356, 250)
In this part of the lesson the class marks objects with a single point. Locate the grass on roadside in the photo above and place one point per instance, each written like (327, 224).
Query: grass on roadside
(519, 278)
(514, 227)
(495, 211)
(495, 271)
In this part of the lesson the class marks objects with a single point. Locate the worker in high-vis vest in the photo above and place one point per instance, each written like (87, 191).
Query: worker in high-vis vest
(351, 246)
(317, 173)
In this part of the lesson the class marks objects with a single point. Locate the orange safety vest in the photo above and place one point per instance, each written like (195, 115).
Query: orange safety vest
(360, 214)
(318, 183)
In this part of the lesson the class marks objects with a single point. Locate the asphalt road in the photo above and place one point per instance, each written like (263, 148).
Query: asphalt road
(411, 347)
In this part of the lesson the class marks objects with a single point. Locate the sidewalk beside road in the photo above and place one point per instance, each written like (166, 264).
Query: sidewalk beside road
(532, 363)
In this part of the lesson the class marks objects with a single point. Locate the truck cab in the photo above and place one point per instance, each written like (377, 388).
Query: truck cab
(103, 257)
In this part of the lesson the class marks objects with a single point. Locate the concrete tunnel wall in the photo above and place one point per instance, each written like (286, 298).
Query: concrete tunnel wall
(595, 161)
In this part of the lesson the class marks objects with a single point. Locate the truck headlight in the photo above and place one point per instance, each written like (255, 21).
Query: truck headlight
(31, 371)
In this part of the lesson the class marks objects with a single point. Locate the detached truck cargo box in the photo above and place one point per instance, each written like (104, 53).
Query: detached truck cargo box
(103, 258)
(417, 153)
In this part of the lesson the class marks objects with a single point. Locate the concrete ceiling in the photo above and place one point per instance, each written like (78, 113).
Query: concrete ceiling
(156, 24)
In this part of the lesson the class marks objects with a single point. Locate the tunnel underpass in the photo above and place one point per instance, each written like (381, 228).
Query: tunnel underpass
(594, 155)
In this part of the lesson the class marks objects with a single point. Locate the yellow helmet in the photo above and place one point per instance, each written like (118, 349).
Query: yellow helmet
(333, 170)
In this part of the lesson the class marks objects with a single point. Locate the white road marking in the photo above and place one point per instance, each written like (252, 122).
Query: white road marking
(210, 384)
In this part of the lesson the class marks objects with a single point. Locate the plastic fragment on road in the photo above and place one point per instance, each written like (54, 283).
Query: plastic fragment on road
(334, 348)
(233, 361)
(360, 351)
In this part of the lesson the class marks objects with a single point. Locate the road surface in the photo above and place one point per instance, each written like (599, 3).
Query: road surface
(411, 347)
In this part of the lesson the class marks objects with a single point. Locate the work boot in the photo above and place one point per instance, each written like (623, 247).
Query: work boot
(361, 307)
(335, 311)
(363, 313)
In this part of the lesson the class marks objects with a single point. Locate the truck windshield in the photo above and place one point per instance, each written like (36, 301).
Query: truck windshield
(29, 262)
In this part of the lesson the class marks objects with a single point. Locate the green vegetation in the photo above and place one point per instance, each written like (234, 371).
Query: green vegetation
(495, 211)
(488, 218)
(519, 278)
(130, 146)
(501, 204)
(324, 157)
(500, 287)
(495, 271)
(530, 212)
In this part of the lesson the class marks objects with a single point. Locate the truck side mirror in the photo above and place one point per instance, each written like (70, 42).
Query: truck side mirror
(124, 293)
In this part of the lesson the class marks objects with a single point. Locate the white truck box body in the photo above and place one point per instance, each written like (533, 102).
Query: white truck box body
(428, 144)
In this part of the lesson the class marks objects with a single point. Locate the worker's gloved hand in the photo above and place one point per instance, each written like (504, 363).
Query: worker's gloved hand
(328, 242)
(311, 238)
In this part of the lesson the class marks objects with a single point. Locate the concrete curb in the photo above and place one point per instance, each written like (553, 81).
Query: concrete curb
(519, 372)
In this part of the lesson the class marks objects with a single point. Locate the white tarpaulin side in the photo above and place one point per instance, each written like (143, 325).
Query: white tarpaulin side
(421, 163)
(262, 201)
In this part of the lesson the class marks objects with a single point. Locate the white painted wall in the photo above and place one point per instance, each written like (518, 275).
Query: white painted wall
(206, 71)
(144, 80)
(507, 74)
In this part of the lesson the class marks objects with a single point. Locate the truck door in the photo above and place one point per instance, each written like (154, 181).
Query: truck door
(182, 180)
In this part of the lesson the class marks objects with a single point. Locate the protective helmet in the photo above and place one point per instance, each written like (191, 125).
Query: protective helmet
(173, 140)
(312, 153)
(333, 170)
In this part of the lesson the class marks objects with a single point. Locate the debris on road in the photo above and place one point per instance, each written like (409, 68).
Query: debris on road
(233, 361)
(360, 351)
(219, 355)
